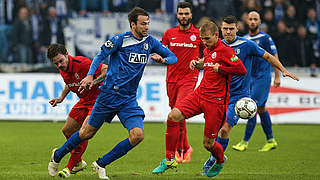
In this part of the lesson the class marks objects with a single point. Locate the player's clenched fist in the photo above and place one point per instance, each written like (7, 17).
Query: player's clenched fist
(55, 101)
(157, 58)
(86, 83)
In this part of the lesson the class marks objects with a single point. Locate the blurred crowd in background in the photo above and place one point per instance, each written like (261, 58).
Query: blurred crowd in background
(28, 27)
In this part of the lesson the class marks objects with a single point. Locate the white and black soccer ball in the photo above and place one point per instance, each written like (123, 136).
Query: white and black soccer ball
(246, 108)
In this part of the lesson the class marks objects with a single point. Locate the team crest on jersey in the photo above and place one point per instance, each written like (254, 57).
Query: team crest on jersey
(237, 51)
(193, 37)
(257, 41)
(76, 75)
(214, 55)
(138, 58)
(109, 44)
(146, 46)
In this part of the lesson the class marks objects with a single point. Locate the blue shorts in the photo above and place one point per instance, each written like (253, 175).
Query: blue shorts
(108, 105)
(260, 88)
(232, 117)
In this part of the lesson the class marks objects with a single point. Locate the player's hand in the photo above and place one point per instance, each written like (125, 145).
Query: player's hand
(216, 67)
(287, 73)
(157, 58)
(276, 82)
(193, 64)
(86, 83)
(55, 101)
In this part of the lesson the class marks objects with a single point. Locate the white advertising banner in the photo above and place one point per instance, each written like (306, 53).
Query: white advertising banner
(26, 97)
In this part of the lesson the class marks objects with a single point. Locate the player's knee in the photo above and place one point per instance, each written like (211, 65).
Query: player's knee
(261, 110)
(207, 145)
(175, 115)
(224, 132)
(136, 136)
(86, 133)
(66, 132)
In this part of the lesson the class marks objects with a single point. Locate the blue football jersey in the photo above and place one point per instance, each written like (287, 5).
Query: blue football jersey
(246, 50)
(128, 58)
(262, 67)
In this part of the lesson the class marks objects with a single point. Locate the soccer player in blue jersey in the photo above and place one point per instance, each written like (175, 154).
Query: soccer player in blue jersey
(261, 80)
(246, 50)
(129, 54)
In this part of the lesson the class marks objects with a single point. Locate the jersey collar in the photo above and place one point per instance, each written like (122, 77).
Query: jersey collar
(70, 63)
(188, 30)
(216, 45)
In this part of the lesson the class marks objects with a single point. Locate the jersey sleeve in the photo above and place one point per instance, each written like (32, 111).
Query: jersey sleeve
(163, 51)
(107, 48)
(270, 46)
(234, 65)
(255, 49)
(165, 39)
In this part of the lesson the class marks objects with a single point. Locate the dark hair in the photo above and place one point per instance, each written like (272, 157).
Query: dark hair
(55, 49)
(230, 19)
(209, 26)
(134, 13)
(184, 5)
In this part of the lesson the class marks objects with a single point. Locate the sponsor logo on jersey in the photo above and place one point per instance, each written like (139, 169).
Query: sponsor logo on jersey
(209, 64)
(109, 44)
(145, 46)
(234, 58)
(76, 75)
(138, 58)
(183, 45)
(214, 55)
(193, 37)
(73, 84)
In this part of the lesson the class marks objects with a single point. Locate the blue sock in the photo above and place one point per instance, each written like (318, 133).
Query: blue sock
(223, 142)
(266, 124)
(118, 151)
(251, 124)
(67, 147)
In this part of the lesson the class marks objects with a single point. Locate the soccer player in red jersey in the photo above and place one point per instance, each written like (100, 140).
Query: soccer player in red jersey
(185, 43)
(211, 98)
(73, 70)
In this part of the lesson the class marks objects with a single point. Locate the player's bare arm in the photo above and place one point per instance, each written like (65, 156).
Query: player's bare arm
(197, 64)
(102, 76)
(276, 63)
(157, 58)
(276, 81)
(58, 100)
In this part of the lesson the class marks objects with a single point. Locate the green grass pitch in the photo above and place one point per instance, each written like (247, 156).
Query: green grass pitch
(25, 149)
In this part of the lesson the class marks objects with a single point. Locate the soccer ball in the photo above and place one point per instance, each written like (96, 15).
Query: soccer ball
(246, 108)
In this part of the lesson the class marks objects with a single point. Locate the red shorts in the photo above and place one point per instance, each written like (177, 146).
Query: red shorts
(176, 91)
(80, 111)
(214, 114)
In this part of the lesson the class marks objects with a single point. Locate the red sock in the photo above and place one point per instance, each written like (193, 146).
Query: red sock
(76, 154)
(183, 133)
(172, 135)
(217, 152)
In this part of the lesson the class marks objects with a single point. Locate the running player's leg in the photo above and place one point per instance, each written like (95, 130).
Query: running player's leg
(131, 116)
(215, 115)
(186, 108)
(184, 89)
(76, 118)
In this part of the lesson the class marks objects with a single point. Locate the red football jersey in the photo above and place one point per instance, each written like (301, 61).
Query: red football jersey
(214, 86)
(186, 46)
(77, 70)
